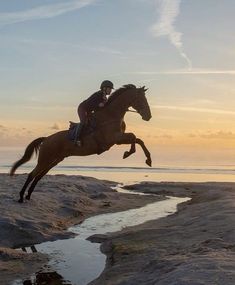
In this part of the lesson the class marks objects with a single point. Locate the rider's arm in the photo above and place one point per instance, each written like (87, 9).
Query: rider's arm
(95, 101)
(101, 104)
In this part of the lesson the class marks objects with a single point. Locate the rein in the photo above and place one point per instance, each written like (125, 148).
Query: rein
(133, 111)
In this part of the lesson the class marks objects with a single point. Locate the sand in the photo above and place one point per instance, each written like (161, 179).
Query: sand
(59, 201)
(195, 246)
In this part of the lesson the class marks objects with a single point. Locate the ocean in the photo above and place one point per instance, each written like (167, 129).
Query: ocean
(126, 173)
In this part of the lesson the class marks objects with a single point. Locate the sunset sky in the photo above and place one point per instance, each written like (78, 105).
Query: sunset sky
(54, 54)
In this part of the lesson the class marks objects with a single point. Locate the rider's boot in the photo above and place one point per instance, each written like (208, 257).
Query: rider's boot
(78, 132)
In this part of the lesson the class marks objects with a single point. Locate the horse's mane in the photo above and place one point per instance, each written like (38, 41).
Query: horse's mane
(119, 91)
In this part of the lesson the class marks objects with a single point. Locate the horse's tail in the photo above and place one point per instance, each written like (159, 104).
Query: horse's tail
(30, 149)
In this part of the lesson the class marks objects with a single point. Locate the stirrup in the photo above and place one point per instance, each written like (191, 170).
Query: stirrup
(78, 143)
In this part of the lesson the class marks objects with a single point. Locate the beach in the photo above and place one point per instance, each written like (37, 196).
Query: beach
(196, 245)
(58, 202)
(142, 190)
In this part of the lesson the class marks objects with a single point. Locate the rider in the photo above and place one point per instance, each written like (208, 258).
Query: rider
(92, 104)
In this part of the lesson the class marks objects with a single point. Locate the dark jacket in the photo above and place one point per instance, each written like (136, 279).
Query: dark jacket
(92, 103)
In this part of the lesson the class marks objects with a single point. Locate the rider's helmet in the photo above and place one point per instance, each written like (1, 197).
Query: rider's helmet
(106, 83)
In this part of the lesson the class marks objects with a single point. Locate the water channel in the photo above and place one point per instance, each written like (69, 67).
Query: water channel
(77, 261)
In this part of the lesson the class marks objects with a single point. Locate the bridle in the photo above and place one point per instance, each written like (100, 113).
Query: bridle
(139, 111)
(133, 111)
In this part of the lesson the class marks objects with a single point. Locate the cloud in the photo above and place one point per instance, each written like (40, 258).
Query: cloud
(56, 44)
(194, 109)
(2, 128)
(188, 72)
(160, 136)
(169, 10)
(163, 136)
(55, 127)
(220, 134)
(43, 12)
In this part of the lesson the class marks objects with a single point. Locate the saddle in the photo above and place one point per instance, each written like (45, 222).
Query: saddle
(73, 127)
(88, 129)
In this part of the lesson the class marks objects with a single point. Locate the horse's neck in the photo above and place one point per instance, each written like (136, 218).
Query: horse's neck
(119, 106)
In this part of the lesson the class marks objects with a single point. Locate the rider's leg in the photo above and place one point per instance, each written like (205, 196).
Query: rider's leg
(83, 118)
(78, 133)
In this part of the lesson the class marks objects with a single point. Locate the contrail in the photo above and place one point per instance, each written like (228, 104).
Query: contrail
(169, 10)
(42, 12)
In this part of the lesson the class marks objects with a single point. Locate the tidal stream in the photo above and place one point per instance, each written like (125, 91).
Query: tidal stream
(77, 261)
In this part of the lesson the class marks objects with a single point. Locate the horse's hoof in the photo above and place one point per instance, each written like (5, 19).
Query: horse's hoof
(126, 154)
(148, 161)
(27, 197)
(21, 200)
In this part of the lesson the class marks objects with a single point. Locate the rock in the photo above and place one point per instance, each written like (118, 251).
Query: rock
(98, 238)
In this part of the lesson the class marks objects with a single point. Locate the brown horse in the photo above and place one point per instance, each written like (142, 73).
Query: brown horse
(110, 130)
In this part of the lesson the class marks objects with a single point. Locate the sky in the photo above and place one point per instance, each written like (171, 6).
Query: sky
(54, 54)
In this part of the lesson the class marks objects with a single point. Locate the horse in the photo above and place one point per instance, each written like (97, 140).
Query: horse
(110, 130)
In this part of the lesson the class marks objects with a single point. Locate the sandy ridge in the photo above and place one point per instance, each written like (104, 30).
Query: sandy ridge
(58, 202)
(194, 246)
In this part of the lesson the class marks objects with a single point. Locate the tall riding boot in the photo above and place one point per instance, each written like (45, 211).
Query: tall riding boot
(78, 133)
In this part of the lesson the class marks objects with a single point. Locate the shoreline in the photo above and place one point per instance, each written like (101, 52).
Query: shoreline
(196, 245)
(58, 202)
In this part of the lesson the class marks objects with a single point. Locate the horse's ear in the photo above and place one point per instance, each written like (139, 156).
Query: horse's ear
(145, 89)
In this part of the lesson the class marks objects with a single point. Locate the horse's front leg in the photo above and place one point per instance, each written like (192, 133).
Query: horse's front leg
(130, 152)
(130, 138)
(148, 161)
(126, 138)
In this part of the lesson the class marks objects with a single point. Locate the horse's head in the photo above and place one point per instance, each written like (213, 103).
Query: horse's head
(130, 96)
(140, 103)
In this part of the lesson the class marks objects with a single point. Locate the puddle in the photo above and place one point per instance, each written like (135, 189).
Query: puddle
(77, 261)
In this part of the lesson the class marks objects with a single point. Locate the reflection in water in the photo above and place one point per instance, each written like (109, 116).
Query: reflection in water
(32, 247)
(46, 276)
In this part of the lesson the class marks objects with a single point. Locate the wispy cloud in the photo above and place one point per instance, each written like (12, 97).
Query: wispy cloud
(57, 44)
(169, 10)
(218, 134)
(188, 72)
(193, 109)
(43, 12)
(56, 126)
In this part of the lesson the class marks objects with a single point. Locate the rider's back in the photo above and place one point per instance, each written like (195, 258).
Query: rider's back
(92, 103)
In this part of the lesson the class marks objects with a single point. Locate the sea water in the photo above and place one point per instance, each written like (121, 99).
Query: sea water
(123, 171)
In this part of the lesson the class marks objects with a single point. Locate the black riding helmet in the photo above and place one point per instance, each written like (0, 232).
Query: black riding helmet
(106, 83)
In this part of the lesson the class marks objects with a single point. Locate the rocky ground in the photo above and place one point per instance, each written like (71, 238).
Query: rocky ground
(58, 202)
(194, 246)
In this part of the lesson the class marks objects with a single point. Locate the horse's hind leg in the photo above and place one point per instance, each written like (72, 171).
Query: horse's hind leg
(30, 178)
(27, 182)
(32, 186)
(39, 176)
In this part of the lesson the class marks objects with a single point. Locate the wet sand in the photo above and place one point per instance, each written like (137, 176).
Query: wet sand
(196, 245)
(58, 202)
